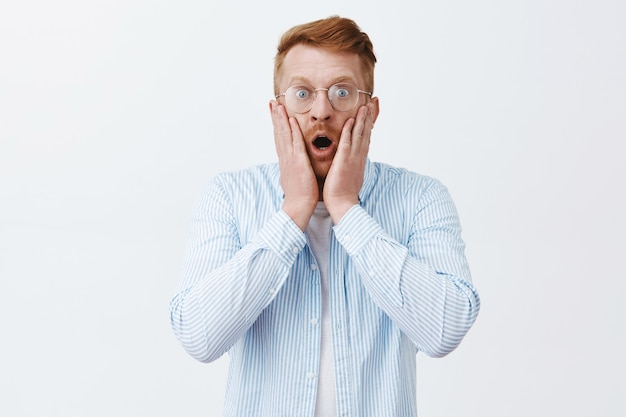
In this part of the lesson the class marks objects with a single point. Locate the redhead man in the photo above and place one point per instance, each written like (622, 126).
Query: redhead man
(323, 275)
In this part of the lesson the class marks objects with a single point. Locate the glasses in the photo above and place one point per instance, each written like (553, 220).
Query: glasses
(342, 96)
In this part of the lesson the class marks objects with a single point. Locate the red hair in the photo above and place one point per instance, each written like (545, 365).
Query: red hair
(335, 34)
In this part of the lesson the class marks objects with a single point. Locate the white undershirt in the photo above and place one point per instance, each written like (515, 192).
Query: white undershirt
(319, 237)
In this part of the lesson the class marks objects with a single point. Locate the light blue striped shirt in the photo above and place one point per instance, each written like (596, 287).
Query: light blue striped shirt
(399, 283)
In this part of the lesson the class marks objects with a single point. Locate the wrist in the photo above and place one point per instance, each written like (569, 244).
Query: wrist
(300, 212)
(338, 209)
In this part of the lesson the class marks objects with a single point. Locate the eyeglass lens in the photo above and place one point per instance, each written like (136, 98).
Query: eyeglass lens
(342, 97)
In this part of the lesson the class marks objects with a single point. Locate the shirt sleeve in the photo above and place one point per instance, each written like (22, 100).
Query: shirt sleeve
(225, 286)
(424, 286)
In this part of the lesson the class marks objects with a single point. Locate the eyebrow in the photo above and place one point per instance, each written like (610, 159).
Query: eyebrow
(339, 79)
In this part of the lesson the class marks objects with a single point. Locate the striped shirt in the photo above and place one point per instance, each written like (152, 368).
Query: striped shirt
(399, 283)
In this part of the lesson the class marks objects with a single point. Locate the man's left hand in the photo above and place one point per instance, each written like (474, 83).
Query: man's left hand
(345, 177)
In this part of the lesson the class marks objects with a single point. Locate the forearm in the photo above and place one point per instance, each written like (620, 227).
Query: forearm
(433, 309)
(428, 293)
(215, 306)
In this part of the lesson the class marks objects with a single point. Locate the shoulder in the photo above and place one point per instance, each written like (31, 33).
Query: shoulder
(262, 177)
(257, 173)
(260, 182)
(392, 177)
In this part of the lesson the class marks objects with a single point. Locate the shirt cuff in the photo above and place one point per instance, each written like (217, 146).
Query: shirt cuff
(283, 237)
(356, 229)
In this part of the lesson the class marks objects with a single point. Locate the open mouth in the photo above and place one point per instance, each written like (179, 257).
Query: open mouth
(321, 142)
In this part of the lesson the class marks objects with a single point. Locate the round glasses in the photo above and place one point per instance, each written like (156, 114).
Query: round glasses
(342, 96)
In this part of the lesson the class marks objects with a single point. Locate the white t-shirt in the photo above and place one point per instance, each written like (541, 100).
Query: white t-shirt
(319, 230)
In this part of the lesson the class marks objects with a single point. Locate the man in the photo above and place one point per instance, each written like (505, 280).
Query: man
(323, 275)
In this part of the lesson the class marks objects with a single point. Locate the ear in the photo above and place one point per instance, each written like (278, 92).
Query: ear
(376, 107)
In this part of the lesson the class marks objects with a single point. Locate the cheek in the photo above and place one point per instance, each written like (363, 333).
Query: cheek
(348, 116)
(352, 113)
(300, 118)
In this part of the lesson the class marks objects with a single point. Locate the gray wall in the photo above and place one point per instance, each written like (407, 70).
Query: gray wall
(114, 114)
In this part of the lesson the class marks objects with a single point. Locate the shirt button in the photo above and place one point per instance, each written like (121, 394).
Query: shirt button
(347, 239)
(314, 322)
(313, 267)
(295, 250)
(310, 375)
(272, 291)
(372, 274)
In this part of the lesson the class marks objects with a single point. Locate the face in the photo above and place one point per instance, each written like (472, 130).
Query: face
(322, 124)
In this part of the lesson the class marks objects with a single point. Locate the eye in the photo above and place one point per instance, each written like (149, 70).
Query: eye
(301, 93)
(342, 92)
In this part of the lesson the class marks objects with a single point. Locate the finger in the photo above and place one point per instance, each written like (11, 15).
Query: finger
(344, 147)
(297, 138)
(360, 134)
(368, 125)
(282, 129)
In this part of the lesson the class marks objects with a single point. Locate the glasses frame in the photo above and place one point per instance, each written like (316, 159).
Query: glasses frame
(315, 90)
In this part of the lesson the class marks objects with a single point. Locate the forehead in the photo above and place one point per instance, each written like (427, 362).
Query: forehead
(319, 67)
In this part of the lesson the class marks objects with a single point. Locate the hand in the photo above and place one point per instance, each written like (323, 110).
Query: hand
(345, 177)
(296, 173)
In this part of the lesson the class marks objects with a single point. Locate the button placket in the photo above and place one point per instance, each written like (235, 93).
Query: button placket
(313, 310)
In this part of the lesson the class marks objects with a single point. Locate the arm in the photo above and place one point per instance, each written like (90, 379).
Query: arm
(424, 286)
(224, 286)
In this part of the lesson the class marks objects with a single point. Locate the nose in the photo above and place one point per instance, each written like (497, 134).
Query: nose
(321, 109)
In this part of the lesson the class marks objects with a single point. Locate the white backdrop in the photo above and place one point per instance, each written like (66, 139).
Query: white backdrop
(113, 114)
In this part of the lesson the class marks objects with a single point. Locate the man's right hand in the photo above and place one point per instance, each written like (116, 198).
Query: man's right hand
(296, 173)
